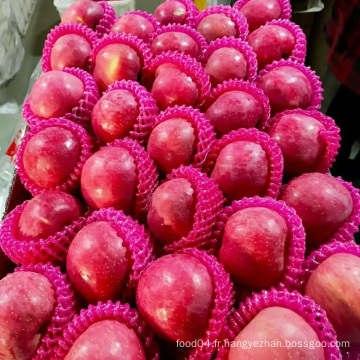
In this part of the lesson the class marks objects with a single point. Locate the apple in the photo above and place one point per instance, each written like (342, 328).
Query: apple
(235, 66)
(277, 324)
(241, 169)
(55, 93)
(334, 285)
(172, 209)
(136, 25)
(300, 142)
(171, 12)
(51, 155)
(322, 202)
(114, 115)
(46, 214)
(286, 88)
(215, 26)
(174, 296)
(109, 179)
(171, 144)
(253, 247)
(27, 305)
(270, 43)
(233, 110)
(116, 62)
(107, 339)
(85, 12)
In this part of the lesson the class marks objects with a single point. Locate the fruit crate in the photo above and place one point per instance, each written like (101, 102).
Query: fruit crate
(23, 10)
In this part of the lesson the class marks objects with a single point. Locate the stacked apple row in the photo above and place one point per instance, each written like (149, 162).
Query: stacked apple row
(179, 168)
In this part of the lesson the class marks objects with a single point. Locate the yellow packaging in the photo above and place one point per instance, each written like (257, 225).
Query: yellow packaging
(201, 4)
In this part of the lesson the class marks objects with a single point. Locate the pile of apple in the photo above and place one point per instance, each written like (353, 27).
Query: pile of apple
(181, 195)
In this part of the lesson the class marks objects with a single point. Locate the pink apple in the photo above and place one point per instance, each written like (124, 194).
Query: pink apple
(277, 324)
(253, 247)
(107, 339)
(27, 304)
(334, 285)
(286, 88)
(300, 143)
(114, 115)
(109, 179)
(216, 26)
(234, 110)
(322, 203)
(174, 295)
(55, 93)
(171, 144)
(51, 155)
(171, 12)
(241, 169)
(172, 209)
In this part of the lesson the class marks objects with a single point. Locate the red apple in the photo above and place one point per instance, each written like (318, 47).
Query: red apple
(286, 88)
(46, 214)
(175, 41)
(235, 66)
(273, 325)
(85, 12)
(96, 262)
(70, 50)
(171, 144)
(55, 93)
(216, 26)
(253, 247)
(241, 169)
(136, 25)
(109, 179)
(107, 339)
(174, 295)
(270, 43)
(27, 304)
(334, 285)
(300, 143)
(114, 115)
(322, 202)
(172, 209)
(171, 12)
(116, 62)
(259, 12)
(51, 155)
(234, 110)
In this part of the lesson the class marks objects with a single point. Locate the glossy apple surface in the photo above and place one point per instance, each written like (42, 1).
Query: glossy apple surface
(171, 12)
(216, 26)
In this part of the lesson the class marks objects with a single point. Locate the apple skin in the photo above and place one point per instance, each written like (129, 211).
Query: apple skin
(85, 12)
(234, 110)
(270, 43)
(51, 155)
(55, 93)
(334, 285)
(97, 263)
(171, 144)
(116, 62)
(136, 25)
(46, 214)
(241, 169)
(174, 296)
(286, 88)
(298, 138)
(107, 339)
(172, 209)
(259, 12)
(277, 324)
(174, 41)
(322, 203)
(235, 66)
(114, 115)
(109, 179)
(27, 304)
(216, 26)
(171, 12)
(253, 247)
